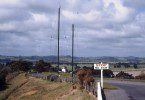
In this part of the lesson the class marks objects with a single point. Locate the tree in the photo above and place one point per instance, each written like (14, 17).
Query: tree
(42, 66)
(2, 81)
(20, 65)
(135, 66)
(3, 73)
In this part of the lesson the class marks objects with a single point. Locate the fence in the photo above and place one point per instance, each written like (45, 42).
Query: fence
(90, 88)
(51, 77)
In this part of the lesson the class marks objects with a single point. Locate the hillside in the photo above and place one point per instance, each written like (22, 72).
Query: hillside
(38, 89)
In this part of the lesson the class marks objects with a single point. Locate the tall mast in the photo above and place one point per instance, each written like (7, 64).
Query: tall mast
(72, 50)
(58, 35)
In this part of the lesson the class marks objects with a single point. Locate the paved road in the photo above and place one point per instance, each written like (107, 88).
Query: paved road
(127, 91)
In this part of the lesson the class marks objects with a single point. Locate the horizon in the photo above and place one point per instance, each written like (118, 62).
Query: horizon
(69, 56)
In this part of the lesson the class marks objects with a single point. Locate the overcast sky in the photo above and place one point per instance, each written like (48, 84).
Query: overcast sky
(102, 27)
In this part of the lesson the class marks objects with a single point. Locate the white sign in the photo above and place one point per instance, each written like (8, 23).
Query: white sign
(101, 66)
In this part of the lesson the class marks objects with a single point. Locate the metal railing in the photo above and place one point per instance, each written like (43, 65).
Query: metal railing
(99, 91)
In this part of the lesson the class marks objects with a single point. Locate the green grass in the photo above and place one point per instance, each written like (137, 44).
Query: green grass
(49, 73)
(65, 75)
(109, 87)
(118, 79)
(127, 69)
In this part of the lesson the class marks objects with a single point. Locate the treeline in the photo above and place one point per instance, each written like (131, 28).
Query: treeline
(125, 65)
(22, 66)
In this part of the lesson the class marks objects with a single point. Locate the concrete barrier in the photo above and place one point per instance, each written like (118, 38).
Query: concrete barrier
(99, 92)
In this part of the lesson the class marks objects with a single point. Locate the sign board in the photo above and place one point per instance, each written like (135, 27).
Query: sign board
(101, 66)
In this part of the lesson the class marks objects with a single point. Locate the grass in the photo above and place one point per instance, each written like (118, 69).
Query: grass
(39, 89)
(109, 87)
(49, 73)
(65, 75)
(127, 69)
(79, 95)
(16, 82)
(119, 79)
(132, 80)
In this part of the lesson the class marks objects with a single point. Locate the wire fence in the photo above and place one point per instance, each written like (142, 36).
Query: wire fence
(52, 77)
(91, 88)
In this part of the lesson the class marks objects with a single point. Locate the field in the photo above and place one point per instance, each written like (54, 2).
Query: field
(21, 88)
(131, 68)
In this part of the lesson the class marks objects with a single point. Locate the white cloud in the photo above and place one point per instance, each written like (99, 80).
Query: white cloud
(116, 25)
(40, 18)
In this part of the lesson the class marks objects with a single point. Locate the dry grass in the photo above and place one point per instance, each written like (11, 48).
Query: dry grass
(13, 84)
(78, 95)
(38, 89)
(65, 75)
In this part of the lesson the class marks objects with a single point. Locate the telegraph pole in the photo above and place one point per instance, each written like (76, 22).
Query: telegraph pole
(58, 36)
(72, 50)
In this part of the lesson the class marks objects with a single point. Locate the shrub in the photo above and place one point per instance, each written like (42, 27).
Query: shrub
(141, 76)
(42, 66)
(124, 75)
(106, 73)
(20, 65)
(84, 76)
(2, 81)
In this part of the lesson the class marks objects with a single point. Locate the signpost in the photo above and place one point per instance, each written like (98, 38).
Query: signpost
(101, 67)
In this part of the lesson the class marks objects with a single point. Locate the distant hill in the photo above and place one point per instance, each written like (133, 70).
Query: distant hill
(67, 59)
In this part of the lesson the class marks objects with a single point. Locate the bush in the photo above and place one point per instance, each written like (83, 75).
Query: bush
(124, 75)
(20, 65)
(42, 66)
(106, 73)
(2, 81)
(85, 77)
(141, 76)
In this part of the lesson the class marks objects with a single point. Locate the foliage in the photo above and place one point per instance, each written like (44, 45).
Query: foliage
(135, 66)
(124, 75)
(84, 76)
(2, 81)
(3, 73)
(118, 65)
(141, 76)
(106, 73)
(42, 66)
(20, 65)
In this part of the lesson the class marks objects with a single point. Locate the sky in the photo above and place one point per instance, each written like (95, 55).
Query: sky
(102, 27)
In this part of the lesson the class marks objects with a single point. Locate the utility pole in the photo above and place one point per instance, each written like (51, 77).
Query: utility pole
(58, 36)
(72, 50)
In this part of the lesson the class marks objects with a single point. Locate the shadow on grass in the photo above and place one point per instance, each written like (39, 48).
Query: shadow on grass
(3, 87)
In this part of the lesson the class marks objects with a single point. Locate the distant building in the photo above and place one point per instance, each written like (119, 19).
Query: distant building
(64, 69)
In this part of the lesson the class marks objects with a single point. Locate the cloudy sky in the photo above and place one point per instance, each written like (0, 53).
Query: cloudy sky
(102, 27)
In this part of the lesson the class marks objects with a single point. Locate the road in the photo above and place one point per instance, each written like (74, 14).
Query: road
(127, 90)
